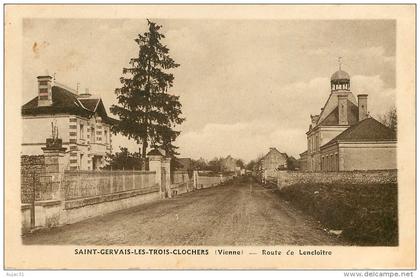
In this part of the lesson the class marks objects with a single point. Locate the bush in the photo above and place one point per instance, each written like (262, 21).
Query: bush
(367, 214)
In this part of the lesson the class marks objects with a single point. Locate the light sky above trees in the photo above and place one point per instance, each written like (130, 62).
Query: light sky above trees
(245, 85)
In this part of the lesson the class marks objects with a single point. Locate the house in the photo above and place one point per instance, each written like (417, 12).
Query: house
(367, 145)
(303, 161)
(80, 119)
(183, 163)
(228, 164)
(343, 137)
(272, 161)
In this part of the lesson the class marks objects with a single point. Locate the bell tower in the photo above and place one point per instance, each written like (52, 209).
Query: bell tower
(340, 80)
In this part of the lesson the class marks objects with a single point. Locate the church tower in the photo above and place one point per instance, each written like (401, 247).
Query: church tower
(340, 80)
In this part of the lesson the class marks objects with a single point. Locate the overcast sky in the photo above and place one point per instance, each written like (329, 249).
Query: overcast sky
(245, 85)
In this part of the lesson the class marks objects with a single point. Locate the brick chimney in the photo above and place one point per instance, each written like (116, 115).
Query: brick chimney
(44, 90)
(362, 101)
(342, 109)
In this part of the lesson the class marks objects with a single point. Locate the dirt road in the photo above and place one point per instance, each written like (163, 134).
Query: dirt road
(239, 213)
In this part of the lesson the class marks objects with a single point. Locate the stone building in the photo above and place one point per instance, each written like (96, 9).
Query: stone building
(228, 164)
(272, 161)
(303, 161)
(80, 119)
(343, 136)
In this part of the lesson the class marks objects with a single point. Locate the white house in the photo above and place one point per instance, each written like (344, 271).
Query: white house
(81, 119)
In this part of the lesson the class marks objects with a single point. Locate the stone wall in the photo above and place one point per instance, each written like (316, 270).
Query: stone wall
(64, 197)
(288, 178)
(32, 168)
(181, 182)
(210, 181)
(84, 184)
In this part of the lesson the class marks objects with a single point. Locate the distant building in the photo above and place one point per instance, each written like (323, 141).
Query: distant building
(272, 161)
(228, 164)
(343, 137)
(183, 163)
(303, 161)
(81, 120)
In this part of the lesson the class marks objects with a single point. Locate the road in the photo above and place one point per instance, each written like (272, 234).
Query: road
(239, 213)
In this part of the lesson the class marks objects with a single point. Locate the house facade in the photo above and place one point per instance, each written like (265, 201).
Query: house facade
(228, 164)
(343, 137)
(80, 119)
(272, 161)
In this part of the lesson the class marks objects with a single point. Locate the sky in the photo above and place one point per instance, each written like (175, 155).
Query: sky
(245, 85)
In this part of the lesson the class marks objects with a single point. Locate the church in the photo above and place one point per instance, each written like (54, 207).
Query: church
(343, 137)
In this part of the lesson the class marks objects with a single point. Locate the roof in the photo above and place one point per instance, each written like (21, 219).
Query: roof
(183, 163)
(90, 103)
(64, 101)
(367, 130)
(352, 115)
(340, 75)
(273, 150)
(155, 152)
(304, 153)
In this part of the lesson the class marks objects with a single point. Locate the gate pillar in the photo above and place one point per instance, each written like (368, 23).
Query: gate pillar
(155, 164)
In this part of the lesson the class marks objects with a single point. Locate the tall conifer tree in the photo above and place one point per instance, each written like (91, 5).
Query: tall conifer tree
(147, 112)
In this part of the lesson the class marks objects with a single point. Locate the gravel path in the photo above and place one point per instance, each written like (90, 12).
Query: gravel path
(239, 213)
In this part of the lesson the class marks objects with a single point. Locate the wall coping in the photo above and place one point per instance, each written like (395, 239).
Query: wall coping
(48, 203)
(93, 200)
(104, 172)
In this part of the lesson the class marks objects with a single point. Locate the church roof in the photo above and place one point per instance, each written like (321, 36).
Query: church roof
(340, 75)
(352, 115)
(367, 130)
(64, 101)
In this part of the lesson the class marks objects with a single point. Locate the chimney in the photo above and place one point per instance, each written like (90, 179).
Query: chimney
(362, 101)
(86, 94)
(44, 90)
(342, 109)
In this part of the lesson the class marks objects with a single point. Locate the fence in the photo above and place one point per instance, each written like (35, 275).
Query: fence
(82, 184)
(53, 196)
(205, 181)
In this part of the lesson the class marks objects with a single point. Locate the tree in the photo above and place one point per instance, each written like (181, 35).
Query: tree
(389, 119)
(148, 113)
(240, 163)
(123, 160)
(199, 164)
(292, 163)
(250, 166)
(215, 165)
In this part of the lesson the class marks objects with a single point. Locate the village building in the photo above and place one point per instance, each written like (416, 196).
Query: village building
(183, 163)
(271, 162)
(344, 137)
(80, 119)
(228, 164)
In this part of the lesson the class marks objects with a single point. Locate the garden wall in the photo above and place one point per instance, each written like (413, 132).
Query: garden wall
(288, 178)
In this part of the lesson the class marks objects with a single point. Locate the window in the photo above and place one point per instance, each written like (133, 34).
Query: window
(82, 133)
(81, 162)
(106, 136)
(92, 135)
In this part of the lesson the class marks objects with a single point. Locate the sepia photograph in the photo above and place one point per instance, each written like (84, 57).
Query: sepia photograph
(149, 135)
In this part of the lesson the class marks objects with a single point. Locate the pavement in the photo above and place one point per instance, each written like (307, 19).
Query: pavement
(241, 212)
